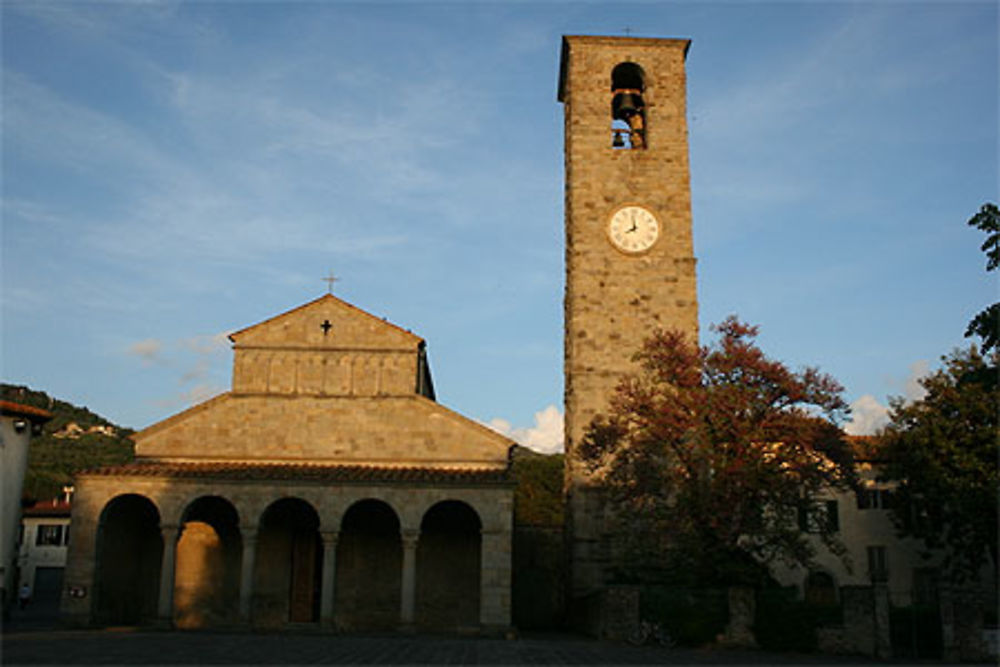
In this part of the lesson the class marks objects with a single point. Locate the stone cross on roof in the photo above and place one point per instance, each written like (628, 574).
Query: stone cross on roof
(330, 280)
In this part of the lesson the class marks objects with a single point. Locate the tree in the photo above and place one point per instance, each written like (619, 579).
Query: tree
(538, 496)
(708, 454)
(986, 324)
(943, 453)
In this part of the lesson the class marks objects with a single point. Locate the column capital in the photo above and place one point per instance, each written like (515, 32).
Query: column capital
(329, 537)
(171, 529)
(410, 537)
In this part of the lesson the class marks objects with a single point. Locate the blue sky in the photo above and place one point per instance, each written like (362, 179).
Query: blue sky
(176, 171)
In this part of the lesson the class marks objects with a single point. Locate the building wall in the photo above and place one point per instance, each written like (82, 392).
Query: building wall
(13, 462)
(32, 555)
(859, 530)
(410, 430)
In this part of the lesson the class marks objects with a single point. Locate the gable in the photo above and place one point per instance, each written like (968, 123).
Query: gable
(325, 323)
(394, 431)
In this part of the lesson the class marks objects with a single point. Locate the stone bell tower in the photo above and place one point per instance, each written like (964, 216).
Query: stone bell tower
(630, 265)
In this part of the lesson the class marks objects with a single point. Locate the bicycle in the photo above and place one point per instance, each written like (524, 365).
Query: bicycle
(648, 632)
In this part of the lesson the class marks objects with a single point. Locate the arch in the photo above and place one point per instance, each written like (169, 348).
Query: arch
(288, 565)
(369, 567)
(628, 75)
(207, 572)
(449, 567)
(628, 107)
(129, 555)
(820, 589)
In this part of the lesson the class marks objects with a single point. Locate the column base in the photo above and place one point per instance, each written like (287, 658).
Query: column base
(163, 624)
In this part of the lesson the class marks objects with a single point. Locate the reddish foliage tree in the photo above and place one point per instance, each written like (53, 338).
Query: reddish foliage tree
(709, 454)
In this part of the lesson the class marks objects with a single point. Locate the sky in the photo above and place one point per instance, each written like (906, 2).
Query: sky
(176, 171)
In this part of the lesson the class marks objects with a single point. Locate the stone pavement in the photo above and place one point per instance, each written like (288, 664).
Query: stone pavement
(134, 647)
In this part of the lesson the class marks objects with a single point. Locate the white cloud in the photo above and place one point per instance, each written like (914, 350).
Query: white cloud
(209, 344)
(912, 389)
(148, 350)
(201, 393)
(546, 436)
(194, 360)
(867, 416)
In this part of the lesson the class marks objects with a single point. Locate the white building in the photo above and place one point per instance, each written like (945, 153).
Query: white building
(42, 556)
(17, 423)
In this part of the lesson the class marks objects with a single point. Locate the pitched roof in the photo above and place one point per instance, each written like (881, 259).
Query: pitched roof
(344, 474)
(48, 508)
(29, 411)
(330, 299)
(332, 430)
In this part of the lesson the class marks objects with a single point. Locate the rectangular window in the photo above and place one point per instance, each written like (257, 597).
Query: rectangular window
(48, 535)
(813, 518)
(925, 587)
(832, 516)
(874, 499)
(878, 564)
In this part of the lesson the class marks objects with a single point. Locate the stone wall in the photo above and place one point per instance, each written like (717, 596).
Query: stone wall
(614, 300)
(170, 498)
(410, 430)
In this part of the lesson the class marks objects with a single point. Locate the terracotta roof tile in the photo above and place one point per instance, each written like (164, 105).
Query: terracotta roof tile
(47, 508)
(308, 473)
(31, 412)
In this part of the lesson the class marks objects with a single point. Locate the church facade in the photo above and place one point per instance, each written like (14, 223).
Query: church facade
(328, 488)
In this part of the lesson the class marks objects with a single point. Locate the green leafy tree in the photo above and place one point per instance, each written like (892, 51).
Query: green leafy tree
(986, 324)
(538, 496)
(708, 455)
(943, 452)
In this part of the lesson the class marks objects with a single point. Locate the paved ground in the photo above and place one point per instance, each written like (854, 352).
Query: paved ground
(129, 647)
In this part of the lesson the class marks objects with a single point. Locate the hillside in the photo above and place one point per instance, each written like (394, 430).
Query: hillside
(75, 439)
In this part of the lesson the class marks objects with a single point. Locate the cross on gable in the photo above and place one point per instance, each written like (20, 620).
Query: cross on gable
(330, 280)
(326, 326)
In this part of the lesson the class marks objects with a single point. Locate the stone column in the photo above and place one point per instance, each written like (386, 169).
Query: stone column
(742, 611)
(246, 572)
(409, 592)
(880, 610)
(329, 577)
(946, 608)
(494, 580)
(165, 606)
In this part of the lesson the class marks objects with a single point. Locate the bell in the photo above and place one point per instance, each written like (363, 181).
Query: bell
(618, 141)
(626, 105)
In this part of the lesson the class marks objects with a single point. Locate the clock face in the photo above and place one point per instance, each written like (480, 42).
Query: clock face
(633, 229)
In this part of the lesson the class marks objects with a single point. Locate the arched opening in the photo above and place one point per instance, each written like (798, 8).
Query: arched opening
(628, 108)
(207, 574)
(820, 590)
(129, 554)
(448, 567)
(369, 568)
(289, 565)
